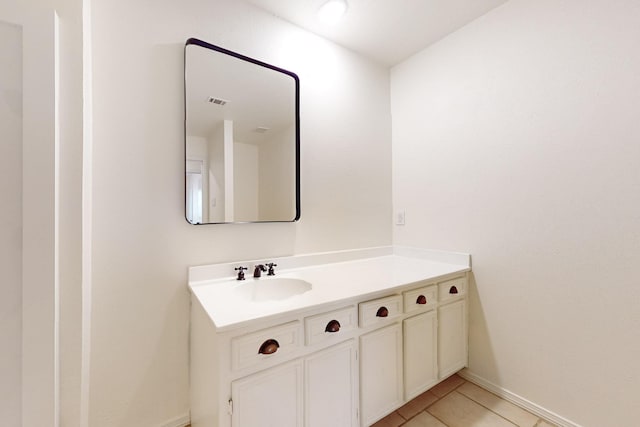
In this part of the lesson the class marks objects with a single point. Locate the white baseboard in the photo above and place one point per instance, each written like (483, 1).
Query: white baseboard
(182, 421)
(517, 400)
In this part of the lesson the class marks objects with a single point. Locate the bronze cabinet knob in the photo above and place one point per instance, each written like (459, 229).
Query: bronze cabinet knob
(333, 326)
(382, 312)
(421, 300)
(269, 347)
(453, 290)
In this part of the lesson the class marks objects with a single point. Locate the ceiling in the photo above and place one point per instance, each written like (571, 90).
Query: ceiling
(387, 31)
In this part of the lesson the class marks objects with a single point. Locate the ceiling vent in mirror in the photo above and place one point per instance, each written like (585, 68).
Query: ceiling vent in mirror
(217, 101)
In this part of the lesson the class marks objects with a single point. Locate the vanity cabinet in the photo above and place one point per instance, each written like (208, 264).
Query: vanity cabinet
(271, 398)
(380, 372)
(452, 327)
(319, 389)
(452, 338)
(420, 340)
(331, 387)
(344, 364)
(420, 353)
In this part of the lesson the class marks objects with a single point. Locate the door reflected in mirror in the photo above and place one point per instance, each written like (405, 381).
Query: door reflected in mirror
(242, 138)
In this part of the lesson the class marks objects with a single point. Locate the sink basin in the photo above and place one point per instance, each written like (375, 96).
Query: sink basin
(273, 288)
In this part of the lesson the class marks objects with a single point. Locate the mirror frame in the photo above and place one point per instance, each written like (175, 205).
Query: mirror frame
(198, 42)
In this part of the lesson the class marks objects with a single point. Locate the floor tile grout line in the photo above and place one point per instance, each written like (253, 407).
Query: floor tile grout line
(540, 419)
(440, 398)
(433, 403)
(455, 389)
(491, 410)
(425, 410)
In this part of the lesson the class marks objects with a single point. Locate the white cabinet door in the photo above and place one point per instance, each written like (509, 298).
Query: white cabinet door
(380, 372)
(331, 386)
(271, 398)
(452, 337)
(420, 353)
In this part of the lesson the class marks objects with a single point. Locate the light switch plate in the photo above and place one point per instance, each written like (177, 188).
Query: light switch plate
(400, 218)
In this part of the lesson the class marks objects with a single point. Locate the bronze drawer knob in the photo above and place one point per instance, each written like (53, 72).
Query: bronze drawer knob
(421, 300)
(453, 290)
(333, 326)
(382, 312)
(269, 347)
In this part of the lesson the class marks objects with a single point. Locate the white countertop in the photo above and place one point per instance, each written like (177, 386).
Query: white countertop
(331, 282)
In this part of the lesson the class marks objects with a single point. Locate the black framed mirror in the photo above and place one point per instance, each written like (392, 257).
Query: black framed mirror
(242, 138)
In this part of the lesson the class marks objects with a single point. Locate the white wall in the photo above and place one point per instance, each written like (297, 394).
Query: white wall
(216, 175)
(51, 261)
(517, 139)
(75, 149)
(245, 181)
(276, 194)
(11, 223)
(140, 305)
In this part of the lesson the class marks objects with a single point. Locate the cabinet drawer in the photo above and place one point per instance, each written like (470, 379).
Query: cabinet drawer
(379, 310)
(268, 344)
(451, 289)
(329, 325)
(420, 299)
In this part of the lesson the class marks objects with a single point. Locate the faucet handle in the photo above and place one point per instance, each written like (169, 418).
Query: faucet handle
(271, 272)
(240, 271)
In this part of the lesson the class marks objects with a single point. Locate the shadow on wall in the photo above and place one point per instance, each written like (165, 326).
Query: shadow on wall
(481, 355)
(141, 401)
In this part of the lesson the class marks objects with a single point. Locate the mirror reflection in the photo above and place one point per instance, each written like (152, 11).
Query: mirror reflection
(241, 138)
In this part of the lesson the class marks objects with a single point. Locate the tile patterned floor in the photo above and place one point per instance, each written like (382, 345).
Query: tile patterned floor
(458, 403)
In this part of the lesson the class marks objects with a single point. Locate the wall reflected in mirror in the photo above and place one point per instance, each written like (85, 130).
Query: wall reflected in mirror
(241, 138)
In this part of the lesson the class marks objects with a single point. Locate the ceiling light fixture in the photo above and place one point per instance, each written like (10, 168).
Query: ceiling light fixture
(331, 12)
